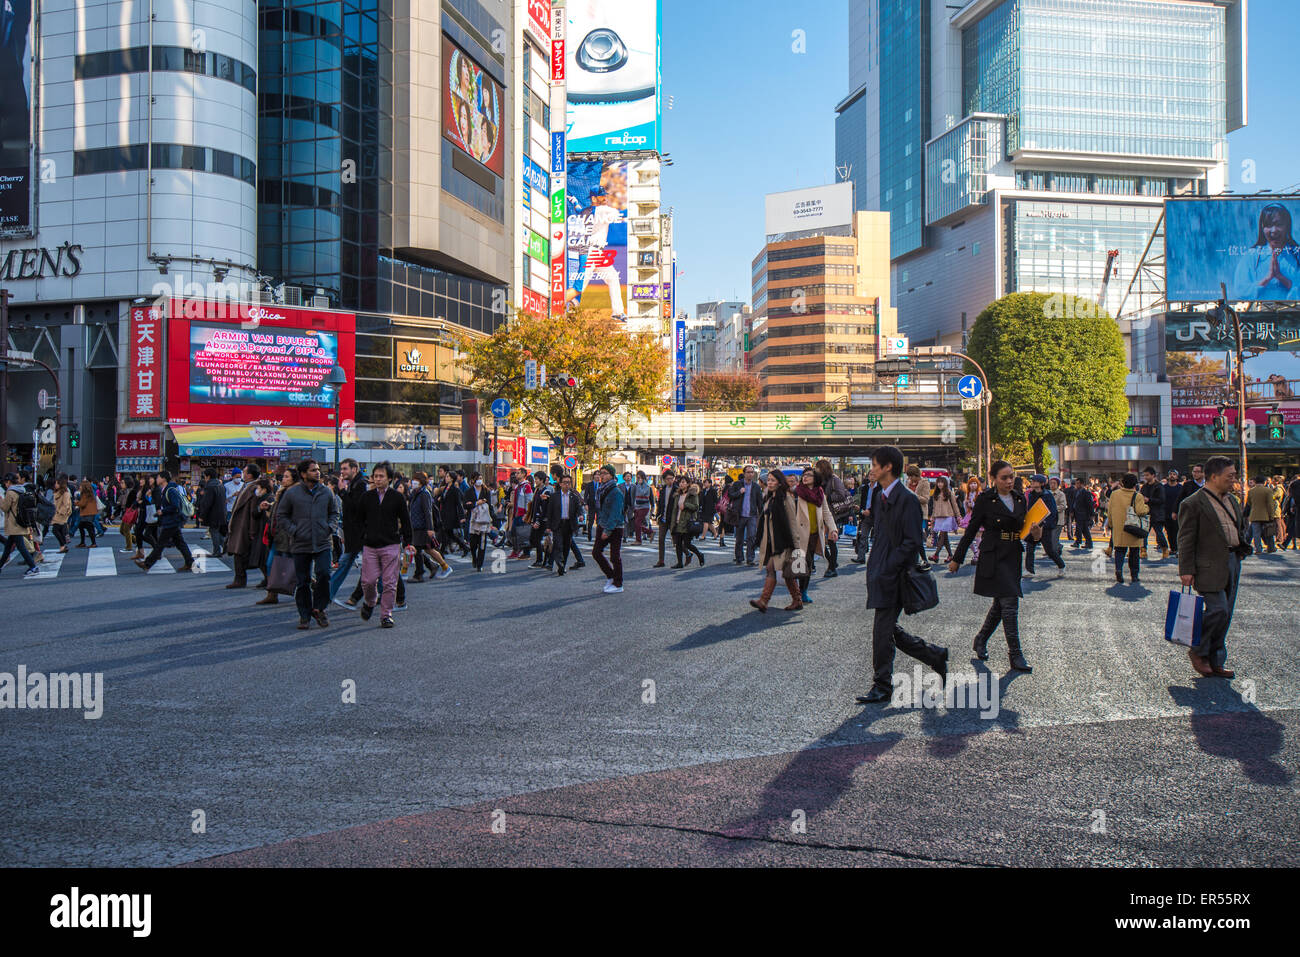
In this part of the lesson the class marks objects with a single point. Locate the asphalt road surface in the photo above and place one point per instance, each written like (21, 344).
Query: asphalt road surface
(518, 718)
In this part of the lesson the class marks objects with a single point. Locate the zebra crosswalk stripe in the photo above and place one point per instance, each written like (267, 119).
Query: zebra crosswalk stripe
(48, 568)
(100, 562)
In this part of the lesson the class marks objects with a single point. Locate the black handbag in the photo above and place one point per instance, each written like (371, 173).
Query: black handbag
(920, 591)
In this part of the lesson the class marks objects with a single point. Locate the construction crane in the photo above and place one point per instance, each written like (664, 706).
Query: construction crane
(1105, 279)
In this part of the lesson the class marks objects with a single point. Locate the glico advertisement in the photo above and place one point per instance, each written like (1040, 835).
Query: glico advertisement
(612, 75)
(1249, 244)
(597, 235)
(16, 158)
(269, 366)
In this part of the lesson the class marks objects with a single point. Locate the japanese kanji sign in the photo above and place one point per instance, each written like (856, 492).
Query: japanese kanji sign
(139, 444)
(144, 364)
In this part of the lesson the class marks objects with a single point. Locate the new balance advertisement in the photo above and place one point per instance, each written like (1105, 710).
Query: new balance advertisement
(269, 367)
(597, 236)
(16, 118)
(611, 66)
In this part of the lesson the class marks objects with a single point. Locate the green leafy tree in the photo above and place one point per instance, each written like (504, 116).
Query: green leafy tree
(1056, 366)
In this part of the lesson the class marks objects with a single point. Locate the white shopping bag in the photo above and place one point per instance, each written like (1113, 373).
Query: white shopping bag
(1183, 618)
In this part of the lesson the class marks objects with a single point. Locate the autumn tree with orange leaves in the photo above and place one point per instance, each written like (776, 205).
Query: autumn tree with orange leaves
(726, 391)
(620, 374)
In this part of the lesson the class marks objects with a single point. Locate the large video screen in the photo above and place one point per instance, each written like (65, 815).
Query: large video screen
(1249, 244)
(611, 66)
(597, 232)
(16, 118)
(230, 365)
(471, 109)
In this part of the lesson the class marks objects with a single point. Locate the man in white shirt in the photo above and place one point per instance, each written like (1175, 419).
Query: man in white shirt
(561, 517)
(233, 487)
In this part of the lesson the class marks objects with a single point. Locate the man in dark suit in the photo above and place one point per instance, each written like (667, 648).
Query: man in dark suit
(899, 538)
(562, 511)
(1191, 486)
(667, 492)
(1213, 538)
(1083, 508)
(746, 499)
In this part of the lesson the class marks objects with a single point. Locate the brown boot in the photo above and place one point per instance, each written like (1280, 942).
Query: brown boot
(796, 603)
(271, 599)
(1164, 553)
(769, 586)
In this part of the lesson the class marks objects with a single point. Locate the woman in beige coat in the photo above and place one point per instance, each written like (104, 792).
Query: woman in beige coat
(778, 537)
(62, 512)
(816, 528)
(1116, 510)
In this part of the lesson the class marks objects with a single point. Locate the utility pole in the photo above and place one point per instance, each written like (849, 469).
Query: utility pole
(4, 380)
(1217, 316)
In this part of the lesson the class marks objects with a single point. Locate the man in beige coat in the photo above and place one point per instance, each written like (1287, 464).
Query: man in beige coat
(16, 531)
(1262, 505)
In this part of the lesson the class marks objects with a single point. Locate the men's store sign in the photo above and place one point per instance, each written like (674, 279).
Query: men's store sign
(39, 262)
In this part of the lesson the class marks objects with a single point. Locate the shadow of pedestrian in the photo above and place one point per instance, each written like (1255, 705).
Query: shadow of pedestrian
(1226, 726)
(1128, 592)
(812, 782)
(742, 626)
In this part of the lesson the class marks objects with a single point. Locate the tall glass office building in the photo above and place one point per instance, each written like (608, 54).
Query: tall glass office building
(1016, 142)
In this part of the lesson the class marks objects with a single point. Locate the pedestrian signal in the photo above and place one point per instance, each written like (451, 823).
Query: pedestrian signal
(1220, 428)
(1276, 428)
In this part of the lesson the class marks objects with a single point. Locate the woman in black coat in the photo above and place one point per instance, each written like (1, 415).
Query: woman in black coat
(1000, 512)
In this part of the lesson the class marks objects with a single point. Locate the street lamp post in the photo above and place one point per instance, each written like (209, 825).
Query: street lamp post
(336, 380)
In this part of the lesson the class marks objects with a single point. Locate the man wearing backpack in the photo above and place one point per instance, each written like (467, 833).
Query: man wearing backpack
(19, 510)
(173, 512)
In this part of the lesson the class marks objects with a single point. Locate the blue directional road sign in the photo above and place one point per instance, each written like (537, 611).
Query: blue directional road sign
(970, 387)
(501, 408)
(530, 374)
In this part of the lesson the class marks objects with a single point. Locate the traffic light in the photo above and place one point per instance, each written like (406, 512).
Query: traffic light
(74, 439)
(487, 444)
(563, 382)
(1276, 428)
(1220, 427)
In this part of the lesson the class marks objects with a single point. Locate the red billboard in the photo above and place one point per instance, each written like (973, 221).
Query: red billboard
(266, 368)
(534, 303)
(144, 369)
(472, 105)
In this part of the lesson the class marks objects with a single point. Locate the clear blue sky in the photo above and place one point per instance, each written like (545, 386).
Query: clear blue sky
(750, 116)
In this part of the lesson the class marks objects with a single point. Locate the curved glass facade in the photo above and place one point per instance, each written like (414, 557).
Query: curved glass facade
(322, 162)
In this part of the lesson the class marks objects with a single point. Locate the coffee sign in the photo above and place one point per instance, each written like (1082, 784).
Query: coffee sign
(413, 360)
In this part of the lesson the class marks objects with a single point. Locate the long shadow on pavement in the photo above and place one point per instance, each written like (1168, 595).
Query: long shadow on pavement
(1227, 726)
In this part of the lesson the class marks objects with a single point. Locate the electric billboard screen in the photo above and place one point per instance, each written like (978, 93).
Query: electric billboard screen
(1249, 244)
(267, 367)
(234, 366)
(612, 75)
(16, 70)
(597, 236)
(471, 109)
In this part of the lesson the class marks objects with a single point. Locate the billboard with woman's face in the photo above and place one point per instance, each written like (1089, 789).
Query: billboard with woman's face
(472, 108)
(1249, 244)
(16, 117)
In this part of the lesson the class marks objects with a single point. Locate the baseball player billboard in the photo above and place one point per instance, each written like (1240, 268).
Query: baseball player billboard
(597, 236)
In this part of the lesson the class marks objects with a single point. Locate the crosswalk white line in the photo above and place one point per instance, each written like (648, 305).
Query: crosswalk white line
(100, 562)
(162, 567)
(46, 569)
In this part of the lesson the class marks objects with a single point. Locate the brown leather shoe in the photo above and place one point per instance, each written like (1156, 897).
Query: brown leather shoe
(271, 599)
(1223, 672)
(1201, 665)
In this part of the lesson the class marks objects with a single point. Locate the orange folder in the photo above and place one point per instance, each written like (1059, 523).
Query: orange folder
(1037, 512)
